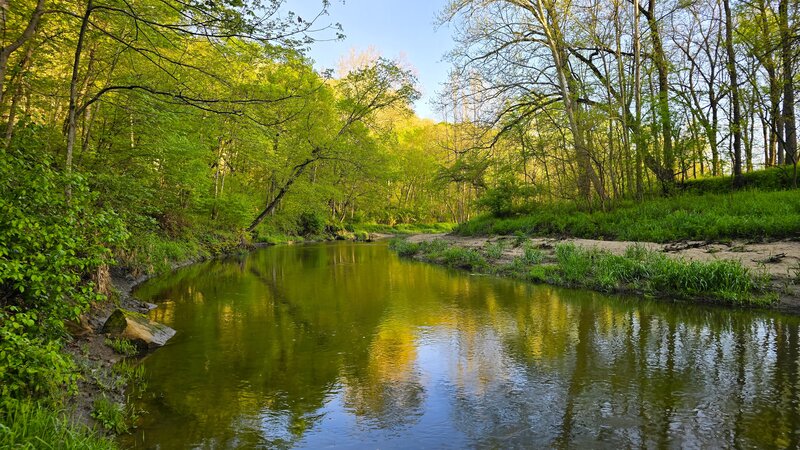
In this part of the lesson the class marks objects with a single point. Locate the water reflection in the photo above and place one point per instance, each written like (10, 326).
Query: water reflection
(345, 345)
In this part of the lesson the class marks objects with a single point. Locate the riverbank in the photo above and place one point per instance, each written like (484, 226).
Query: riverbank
(736, 273)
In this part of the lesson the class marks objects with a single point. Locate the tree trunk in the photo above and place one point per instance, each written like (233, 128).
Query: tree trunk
(787, 62)
(27, 33)
(637, 93)
(587, 176)
(667, 176)
(736, 122)
(72, 122)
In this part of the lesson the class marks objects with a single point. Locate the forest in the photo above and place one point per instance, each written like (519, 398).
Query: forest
(136, 134)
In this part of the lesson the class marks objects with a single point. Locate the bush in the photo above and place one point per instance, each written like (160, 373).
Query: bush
(49, 243)
(31, 364)
(532, 255)
(311, 224)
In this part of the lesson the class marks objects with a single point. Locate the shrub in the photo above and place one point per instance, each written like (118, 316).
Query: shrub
(532, 255)
(403, 247)
(31, 364)
(311, 224)
(47, 243)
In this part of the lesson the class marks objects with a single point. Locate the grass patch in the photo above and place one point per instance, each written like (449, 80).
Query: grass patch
(27, 424)
(494, 250)
(442, 253)
(122, 346)
(112, 416)
(638, 270)
(713, 217)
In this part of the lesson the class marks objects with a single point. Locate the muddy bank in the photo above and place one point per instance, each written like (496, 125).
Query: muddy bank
(779, 259)
(94, 358)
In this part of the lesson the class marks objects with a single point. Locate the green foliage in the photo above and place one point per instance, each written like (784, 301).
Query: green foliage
(404, 248)
(531, 254)
(771, 179)
(31, 364)
(28, 424)
(311, 224)
(505, 199)
(745, 214)
(406, 228)
(112, 416)
(122, 346)
(655, 273)
(443, 253)
(494, 250)
(461, 258)
(47, 242)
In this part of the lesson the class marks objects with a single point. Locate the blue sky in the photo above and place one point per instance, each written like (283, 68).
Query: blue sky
(395, 28)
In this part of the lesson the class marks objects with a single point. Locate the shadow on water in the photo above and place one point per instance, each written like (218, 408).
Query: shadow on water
(346, 345)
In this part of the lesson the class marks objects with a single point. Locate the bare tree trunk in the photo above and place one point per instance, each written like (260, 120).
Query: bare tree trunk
(637, 93)
(72, 122)
(27, 33)
(12, 111)
(660, 60)
(736, 122)
(787, 61)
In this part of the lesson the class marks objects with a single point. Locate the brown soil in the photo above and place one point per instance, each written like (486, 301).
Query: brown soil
(779, 259)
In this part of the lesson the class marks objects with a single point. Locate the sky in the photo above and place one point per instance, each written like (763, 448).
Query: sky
(395, 28)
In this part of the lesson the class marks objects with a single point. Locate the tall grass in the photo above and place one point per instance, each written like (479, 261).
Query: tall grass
(26, 424)
(745, 214)
(441, 252)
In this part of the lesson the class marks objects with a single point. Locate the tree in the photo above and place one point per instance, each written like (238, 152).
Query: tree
(361, 94)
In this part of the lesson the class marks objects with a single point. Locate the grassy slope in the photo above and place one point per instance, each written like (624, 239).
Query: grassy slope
(745, 214)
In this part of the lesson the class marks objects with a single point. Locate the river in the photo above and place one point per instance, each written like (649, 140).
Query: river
(346, 345)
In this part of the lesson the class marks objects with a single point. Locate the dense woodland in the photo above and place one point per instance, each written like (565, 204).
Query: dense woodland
(141, 132)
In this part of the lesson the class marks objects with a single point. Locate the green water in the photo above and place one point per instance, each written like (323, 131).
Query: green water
(346, 346)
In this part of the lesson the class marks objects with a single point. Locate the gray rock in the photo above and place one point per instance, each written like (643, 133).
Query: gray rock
(137, 328)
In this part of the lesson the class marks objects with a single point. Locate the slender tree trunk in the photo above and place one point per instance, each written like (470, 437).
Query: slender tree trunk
(787, 62)
(569, 91)
(637, 94)
(736, 122)
(27, 33)
(72, 122)
(660, 60)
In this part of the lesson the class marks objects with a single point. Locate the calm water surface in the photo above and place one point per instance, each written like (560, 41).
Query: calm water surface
(346, 346)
